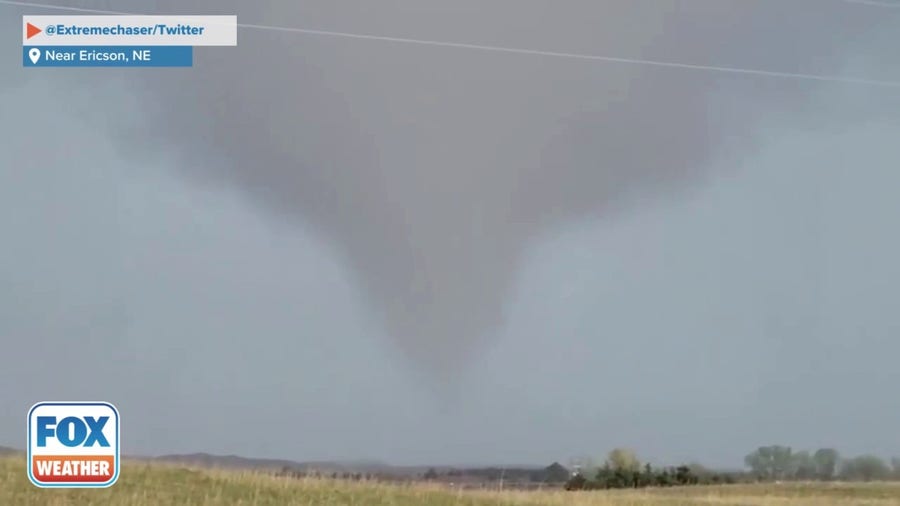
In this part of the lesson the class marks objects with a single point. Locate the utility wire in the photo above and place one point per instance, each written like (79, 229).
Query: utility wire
(520, 51)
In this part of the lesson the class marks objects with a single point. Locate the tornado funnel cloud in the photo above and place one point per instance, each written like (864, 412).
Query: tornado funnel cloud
(432, 169)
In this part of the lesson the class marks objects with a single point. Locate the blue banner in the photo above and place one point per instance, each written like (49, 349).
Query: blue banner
(108, 56)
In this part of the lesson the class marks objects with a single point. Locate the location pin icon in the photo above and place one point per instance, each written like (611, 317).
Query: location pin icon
(35, 55)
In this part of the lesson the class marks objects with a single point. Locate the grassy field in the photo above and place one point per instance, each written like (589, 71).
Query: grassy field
(142, 484)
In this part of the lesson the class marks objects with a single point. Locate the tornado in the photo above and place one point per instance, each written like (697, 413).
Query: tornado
(431, 169)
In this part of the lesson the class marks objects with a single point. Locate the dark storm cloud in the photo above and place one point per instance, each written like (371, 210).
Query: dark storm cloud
(432, 168)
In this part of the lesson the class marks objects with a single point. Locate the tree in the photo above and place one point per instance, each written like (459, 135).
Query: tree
(781, 461)
(664, 478)
(647, 478)
(684, 476)
(872, 468)
(826, 460)
(700, 469)
(803, 466)
(757, 464)
(605, 477)
(895, 463)
(770, 462)
(431, 474)
(622, 459)
(865, 468)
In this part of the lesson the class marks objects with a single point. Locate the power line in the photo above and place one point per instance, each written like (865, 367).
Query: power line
(579, 56)
(519, 51)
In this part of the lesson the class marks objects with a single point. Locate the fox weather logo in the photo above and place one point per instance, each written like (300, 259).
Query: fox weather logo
(73, 444)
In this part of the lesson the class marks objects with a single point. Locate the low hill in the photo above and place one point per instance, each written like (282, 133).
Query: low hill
(360, 467)
(238, 462)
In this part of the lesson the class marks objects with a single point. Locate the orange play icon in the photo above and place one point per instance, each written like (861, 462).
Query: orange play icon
(31, 30)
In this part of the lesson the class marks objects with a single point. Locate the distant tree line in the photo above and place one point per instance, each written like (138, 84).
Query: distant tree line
(622, 469)
(555, 473)
(781, 463)
(289, 472)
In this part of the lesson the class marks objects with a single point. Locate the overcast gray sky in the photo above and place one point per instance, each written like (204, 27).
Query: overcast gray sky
(311, 247)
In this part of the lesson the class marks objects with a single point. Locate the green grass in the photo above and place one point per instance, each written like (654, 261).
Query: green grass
(143, 484)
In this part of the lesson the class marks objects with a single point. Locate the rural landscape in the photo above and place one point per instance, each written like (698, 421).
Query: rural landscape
(449, 253)
(775, 476)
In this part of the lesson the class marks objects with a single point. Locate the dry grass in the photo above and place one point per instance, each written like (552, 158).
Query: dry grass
(142, 484)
